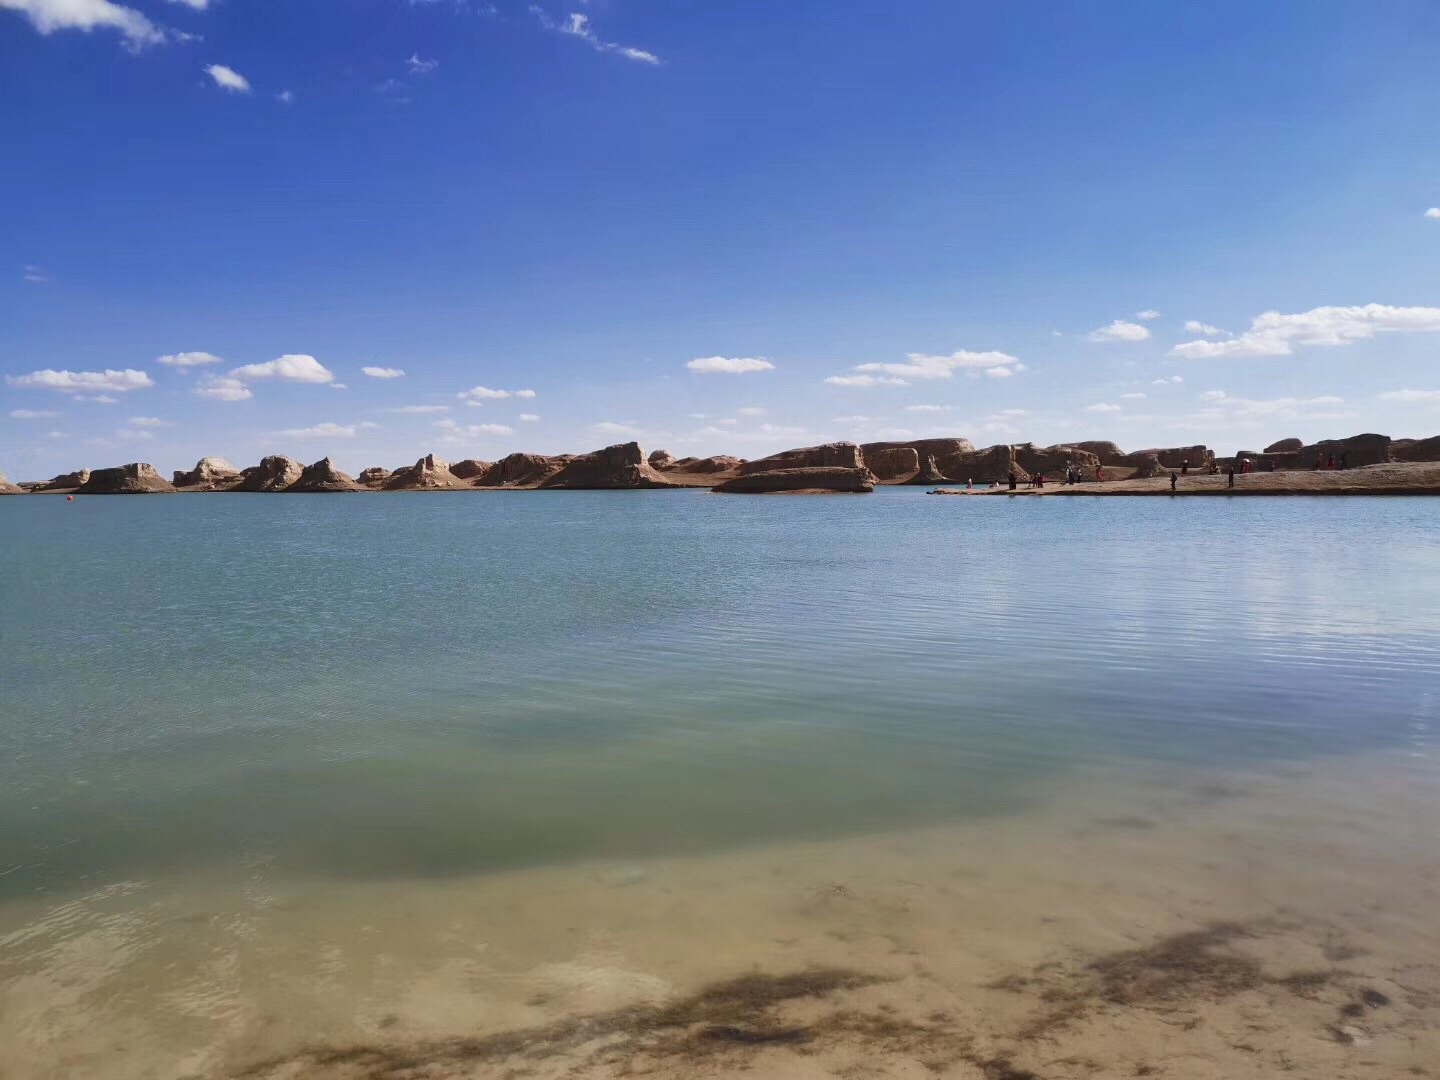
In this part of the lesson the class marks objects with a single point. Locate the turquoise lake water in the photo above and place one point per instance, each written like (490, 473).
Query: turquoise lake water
(431, 685)
(266, 759)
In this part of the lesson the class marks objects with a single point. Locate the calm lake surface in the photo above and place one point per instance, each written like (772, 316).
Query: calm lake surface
(355, 704)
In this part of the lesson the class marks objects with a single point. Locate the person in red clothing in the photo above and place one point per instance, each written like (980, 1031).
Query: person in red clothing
(1330, 463)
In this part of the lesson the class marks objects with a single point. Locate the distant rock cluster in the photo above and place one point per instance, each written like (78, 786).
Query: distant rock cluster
(841, 467)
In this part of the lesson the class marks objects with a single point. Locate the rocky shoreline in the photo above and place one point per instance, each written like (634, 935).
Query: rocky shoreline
(1359, 465)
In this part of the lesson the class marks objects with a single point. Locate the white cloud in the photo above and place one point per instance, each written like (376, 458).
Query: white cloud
(189, 359)
(1120, 330)
(226, 78)
(1405, 396)
(418, 410)
(738, 365)
(71, 381)
(56, 435)
(32, 414)
(1167, 382)
(1274, 334)
(1102, 407)
(100, 399)
(198, 5)
(325, 431)
(292, 367)
(606, 427)
(864, 380)
(1219, 405)
(285, 97)
(47, 16)
(457, 432)
(1195, 326)
(148, 422)
(530, 417)
(1132, 397)
(924, 366)
(526, 394)
(478, 395)
(223, 388)
(1147, 314)
(1000, 372)
(1433, 212)
(927, 408)
(421, 67)
(751, 410)
(576, 25)
(134, 435)
(382, 372)
(850, 419)
(35, 275)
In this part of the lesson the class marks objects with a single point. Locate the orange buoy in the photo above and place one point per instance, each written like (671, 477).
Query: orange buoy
(69, 498)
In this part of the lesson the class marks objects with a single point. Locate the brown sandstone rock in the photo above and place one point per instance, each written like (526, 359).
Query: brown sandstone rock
(374, 476)
(1175, 457)
(66, 481)
(274, 473)
(1051, 461)
(895, 462)
(721, 463)
(991, 465)
(929, 473)
(818, 479)
(430, 473)
(469, 469)
(620, 466)
(661, 459)
(1147, 466)
(1367, 449)
(137, 478)
(839, 455)
(1107, 453)
(1284, 446)
(1417, 449)
(521, 470)
(948, 453)
(323, 476)
(7, 488)
(210, 474)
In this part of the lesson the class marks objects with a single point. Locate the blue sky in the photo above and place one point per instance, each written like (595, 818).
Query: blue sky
(865, 219)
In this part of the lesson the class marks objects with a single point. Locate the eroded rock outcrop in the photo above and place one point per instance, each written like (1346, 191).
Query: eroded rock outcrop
(1052, 461)
(929, 473)
(66, 481)
(373, 477)
(1147, 466)
(1175, 457)
(661, 459)
(948, 452)
(274, 473)
(137, 478)
(820, 479)
(1106, 453)
(994, 464)
(1416, 449)
(470, 468)
(1284, 446)
(895, 462)
(839, 455)
(521, 471)
(620, 466)
(7, 488)
(430, 473)
(209, 474)
(1367, 449)
(321, 477)
(721, 463)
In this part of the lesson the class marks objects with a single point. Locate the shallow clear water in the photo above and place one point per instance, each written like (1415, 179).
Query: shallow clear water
(413, 689)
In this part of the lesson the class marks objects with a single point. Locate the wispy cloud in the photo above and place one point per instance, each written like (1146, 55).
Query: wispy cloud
(478, 395)
(418, 66)
(325, 431)
(48, 16)
(1102, 407)
(1407, 397)
(609, 427)
(223, 388)
(1147, 314)
(418, 410)
(1195, 326)
(292, 367)
(32, 414)
(578, 26)
(1433, 212)
(1120, 330)
(227, 78)
(33, 274)
(383, 372)
(864, 381)
(82, 381)
(459, 432)
(530, 417)
(149, 422)
(729, 365)
(995, 365)
(188, 359)
(1274, 334)
(285, 97)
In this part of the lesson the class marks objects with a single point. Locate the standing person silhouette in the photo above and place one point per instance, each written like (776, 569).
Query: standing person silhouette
(1174, 479)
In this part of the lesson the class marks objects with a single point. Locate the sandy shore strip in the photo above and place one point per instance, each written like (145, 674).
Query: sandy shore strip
(1237, 925)
(1394, 478)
